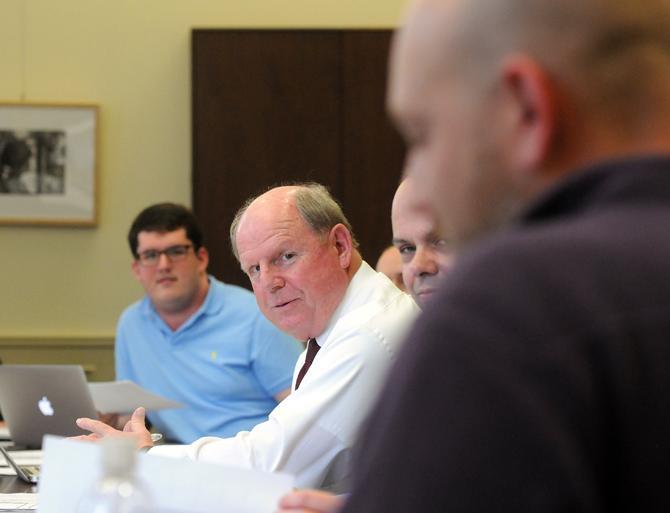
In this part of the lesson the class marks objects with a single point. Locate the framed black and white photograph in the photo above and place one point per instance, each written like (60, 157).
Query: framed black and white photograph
(48, 155)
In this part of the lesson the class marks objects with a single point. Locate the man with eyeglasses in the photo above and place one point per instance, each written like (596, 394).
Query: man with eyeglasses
(194, 339)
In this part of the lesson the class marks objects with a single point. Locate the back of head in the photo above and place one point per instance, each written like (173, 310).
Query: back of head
(610, 57)
(390, 264)
(499, 100)
(165, 217)
(314, 203)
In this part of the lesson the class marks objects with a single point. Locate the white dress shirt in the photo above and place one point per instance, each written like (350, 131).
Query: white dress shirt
(310, 434)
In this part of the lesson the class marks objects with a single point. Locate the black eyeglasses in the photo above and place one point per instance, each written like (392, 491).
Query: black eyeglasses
(150, 257)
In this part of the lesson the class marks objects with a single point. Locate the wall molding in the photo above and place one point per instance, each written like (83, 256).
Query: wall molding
(94, 353)
(23, 341)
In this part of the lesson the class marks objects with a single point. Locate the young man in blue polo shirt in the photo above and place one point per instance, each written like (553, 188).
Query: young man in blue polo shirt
(197, 340)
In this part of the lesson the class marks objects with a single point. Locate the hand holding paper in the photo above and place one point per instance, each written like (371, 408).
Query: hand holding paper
(125, 397)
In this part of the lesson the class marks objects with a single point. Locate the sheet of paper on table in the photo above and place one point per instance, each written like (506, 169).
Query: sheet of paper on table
(21, 501)
(22, 458)
(125, 396)
(174, 484)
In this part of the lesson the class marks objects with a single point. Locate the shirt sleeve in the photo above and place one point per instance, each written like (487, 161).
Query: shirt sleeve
(121, 357)
(273, 356)
(310, 433)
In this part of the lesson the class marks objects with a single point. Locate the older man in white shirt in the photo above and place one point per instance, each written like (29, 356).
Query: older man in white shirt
(309, 279)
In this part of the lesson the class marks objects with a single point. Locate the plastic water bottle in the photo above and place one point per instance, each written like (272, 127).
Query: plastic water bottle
(117, 490)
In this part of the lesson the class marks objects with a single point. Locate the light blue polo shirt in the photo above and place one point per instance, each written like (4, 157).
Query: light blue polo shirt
(224, 364)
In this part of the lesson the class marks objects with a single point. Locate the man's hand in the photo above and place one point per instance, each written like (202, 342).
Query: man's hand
(134, 428)
(111, 419)
(310, 501)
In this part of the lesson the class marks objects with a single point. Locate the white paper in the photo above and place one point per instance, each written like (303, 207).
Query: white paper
(21, 458)
(18, 501)
(125, 396)
(31, 457)
(72, 467)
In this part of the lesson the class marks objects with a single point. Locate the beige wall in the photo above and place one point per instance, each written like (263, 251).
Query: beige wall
(132, 58)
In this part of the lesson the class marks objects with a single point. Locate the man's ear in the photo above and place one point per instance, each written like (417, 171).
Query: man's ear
(340, 238)
(203, 255)
(532, 106)
(135, 266)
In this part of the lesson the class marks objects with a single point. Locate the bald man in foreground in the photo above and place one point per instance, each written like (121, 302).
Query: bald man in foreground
(538, 379)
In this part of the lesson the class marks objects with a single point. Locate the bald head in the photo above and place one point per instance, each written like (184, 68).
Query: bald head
(499, 100)
(298, 257)
(609, 53)
(313, 202)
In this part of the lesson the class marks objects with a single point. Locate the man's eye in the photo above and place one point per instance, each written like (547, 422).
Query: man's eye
(440, 244)
(406, 249)
(149, 255)
(287, 257)
(176, 251)
(254, 270)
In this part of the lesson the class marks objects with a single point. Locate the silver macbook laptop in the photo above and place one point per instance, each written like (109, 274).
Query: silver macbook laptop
(43, 399)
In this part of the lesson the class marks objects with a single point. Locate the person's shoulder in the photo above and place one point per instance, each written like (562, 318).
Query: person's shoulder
(531, 282)
(233, 295)
(134, 311)
(378, 327)
(518, 253)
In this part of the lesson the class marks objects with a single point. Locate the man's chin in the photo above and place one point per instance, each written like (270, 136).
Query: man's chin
(291, 326)
(169, 303)
(423, 296)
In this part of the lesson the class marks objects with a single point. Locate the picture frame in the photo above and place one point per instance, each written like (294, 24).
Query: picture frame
(48, 164)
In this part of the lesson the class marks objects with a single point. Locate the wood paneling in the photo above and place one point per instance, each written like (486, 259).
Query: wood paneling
(273, 106)
(372, 152)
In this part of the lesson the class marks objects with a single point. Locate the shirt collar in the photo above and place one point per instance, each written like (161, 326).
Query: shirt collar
(608, 182)
(356, 295)
(212, 305)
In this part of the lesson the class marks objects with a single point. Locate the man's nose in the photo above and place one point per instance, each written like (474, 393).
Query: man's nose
(424, 261)
(163, 261)
(272, 281)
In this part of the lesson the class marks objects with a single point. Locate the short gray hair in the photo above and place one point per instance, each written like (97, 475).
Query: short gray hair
(314, 203)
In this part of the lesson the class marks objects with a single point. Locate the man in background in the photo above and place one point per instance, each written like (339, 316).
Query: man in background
(426, 258)
(425, 254)
(194, 339)
(390, 264)
(538, 377)
(298, 250)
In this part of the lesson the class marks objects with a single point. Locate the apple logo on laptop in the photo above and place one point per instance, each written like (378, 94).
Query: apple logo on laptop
(45, 406)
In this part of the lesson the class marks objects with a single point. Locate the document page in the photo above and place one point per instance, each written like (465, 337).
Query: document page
(125, 396)
(175, 485)
(32, 457)
(18, 501)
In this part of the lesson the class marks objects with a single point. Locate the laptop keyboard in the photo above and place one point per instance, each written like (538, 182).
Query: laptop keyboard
(32, 471)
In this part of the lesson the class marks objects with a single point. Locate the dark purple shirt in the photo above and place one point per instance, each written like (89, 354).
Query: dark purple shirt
(538, 380)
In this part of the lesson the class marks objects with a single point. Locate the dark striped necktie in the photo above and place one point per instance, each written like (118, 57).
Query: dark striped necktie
(312, 349)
